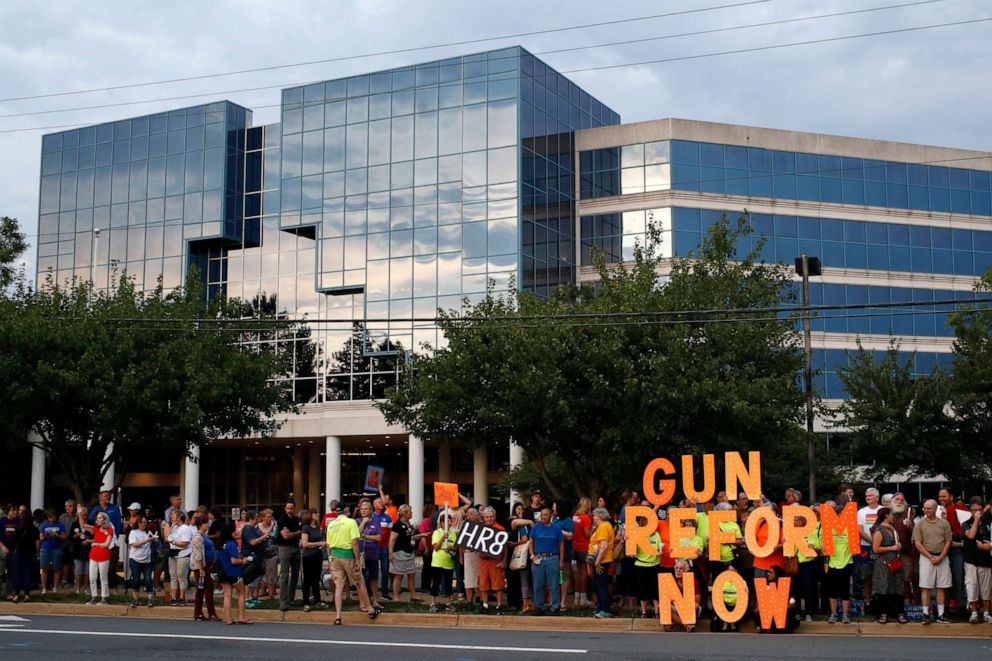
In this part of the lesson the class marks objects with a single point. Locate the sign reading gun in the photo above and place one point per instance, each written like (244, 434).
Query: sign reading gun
(477, 537)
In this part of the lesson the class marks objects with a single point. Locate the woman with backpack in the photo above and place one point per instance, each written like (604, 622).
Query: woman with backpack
(202, 558)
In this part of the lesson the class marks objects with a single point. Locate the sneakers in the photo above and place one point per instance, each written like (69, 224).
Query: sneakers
(832, 619)
(499, 610)
(434, 608)
(251, 603)
(974, 618)
(808, 618)
(44, 591)
(601, 615)
(134, 603)
(988, 618)
(451, 607)
(942, 619)
(103, 602)
(845, 620)
(93, 602)
(151, 602)
(306, 609)
(484, 609)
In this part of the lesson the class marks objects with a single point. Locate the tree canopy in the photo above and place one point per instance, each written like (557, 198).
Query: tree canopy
(600, 379)
(104, 376)
(12, 245)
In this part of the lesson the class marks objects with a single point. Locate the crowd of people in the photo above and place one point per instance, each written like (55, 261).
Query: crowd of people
(558, 558)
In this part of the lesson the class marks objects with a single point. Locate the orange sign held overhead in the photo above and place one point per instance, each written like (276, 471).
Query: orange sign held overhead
(446, 494)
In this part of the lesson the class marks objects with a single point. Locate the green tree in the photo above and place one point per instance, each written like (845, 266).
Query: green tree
(12, 245)
(898, 422)
(103, 377)
(971, 383)
(595, 383)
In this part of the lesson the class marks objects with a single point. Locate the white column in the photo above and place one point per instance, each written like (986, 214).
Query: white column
(111, 475)
(191, 491)
(415, 476)
(37, 474)
(480, 475)
(516, 458)
(332, 472)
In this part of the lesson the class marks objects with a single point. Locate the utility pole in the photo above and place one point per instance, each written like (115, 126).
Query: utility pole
(805, 267)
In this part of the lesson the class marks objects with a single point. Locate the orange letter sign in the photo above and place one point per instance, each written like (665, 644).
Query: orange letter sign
(751, 532)
(718, 536)
(689, 480)
(677, 516)
(655, 497)
(637, 535)
(773, 601)
(793, 536)
(719, 605)
(669, 595)
(750, 478)
(846, 521)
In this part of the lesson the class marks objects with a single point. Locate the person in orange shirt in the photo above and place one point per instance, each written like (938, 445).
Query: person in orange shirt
(667, 563)
(776, 559)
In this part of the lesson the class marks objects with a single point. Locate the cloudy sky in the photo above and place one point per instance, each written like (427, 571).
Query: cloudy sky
(930, 86)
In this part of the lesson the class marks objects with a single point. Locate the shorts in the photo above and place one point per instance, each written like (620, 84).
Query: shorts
(80, 567)
(371, 568)
(229, 580)
(344, 568)
(837, 584)
(402, 564)
(272, 570)
(471, 570)
(491, 577)
(51, 558)
(978, 582)
(580, 557)
(647, 582)
(935, 576)
(569, 553)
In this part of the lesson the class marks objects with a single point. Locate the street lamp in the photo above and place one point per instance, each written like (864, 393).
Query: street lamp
(805, 267)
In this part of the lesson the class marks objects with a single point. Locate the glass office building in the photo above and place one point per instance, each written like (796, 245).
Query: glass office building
(379, 198)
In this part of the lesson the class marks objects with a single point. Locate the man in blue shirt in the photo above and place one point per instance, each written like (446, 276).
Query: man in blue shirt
(386, 526)
(547, 553)
(52, 537)
(114, 516)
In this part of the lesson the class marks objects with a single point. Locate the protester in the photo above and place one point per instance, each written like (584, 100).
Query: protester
(139, 560)
(342, 543)
(202, 556)
(99, 570)
(903, 524)
(792, 619)
(385, 522)
(425, 530)
(115, 519)
(547, 550)
(469, 561)
(840, 567)
(52, 536)
(270, 552)
(932, 537)
(948, 510)
(647, 565)
(25, 552)
(370, 529)
(808, 567)
(288, 548)
(887, 581)
(67, 518)
(683, 573)
(601, 554)
(180, 537)
(443, 561)
(978, 562)
(231, 567)
(80, 553)
(582, 522)
(401, 557)
(313, 545)
(492, 568)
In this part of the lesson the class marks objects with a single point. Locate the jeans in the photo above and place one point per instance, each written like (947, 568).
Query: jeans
(546, 575)
(864, 567)
(383, 571)
(957, 591)
(100, 570)
(139, 571)
(289, 574)
(441, 580)
(601, 584)
(312, 565)
(23, 572)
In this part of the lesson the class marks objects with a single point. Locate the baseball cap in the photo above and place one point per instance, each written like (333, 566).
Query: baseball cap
(134, 506)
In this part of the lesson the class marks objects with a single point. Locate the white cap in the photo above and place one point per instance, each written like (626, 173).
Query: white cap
(134, 506)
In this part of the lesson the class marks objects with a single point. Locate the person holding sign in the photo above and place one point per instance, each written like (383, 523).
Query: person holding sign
(547, 556)
(646, 569)
(443, 560)
(492, 568)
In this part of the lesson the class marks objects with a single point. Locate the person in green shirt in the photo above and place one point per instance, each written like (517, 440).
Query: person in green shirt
(443, 560)
(646, 567)
(839, 568)
(807, 571)
(342, 547)
(727, 550)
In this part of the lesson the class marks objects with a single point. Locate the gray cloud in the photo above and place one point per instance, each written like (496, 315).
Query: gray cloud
(929, 87)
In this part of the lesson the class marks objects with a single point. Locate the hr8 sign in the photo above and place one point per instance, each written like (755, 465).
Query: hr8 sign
(477, 537)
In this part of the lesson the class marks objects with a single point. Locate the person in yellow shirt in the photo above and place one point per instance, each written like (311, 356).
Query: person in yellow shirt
(342, 547)
(839, 568)
(601, 555)
(808, 567)
(646, 566)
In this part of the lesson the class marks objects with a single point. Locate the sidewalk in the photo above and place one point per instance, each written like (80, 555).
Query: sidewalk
(518, 622)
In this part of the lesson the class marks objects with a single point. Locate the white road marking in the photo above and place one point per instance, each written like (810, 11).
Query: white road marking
(10, 626)
(345, 643)
(13, 618)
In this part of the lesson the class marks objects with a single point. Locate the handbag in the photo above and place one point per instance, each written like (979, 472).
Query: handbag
(790, 565)
(519, 558)
(895, 565)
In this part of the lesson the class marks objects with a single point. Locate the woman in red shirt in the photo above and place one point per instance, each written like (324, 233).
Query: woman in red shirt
(103, 538)
(580, 543)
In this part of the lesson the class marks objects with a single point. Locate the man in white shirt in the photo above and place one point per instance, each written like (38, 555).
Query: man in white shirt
(864, 563)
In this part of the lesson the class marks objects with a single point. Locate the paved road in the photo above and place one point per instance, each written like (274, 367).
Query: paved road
(56, 638)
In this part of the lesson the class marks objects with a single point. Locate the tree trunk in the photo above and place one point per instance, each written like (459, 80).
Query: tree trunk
(552, 487)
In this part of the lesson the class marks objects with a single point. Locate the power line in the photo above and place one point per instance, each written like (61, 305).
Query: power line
(567, 71)
(547, 52)
(178, 222)
(391, 52)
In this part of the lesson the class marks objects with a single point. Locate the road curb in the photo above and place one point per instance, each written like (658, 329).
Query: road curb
(508, 622)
